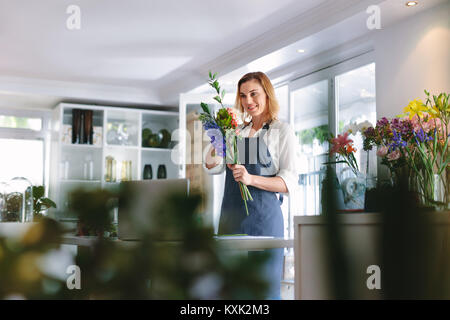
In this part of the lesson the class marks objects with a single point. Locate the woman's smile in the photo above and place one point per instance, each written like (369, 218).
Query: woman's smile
(253, 98)
(251, 108)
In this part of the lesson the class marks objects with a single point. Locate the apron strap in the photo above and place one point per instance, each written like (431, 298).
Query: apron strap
(266, 126)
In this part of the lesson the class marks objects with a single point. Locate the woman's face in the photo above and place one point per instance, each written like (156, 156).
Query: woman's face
(253, 98)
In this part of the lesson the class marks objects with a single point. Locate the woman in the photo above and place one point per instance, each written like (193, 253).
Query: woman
(267, 157)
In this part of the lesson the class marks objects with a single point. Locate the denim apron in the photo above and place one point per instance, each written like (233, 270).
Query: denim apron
(264, 212)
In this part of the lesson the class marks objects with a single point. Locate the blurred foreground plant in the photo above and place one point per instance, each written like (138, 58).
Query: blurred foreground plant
(192, 267)
(22, 275)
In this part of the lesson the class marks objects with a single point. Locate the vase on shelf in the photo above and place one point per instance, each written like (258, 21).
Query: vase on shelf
(162, 173)
(76, 125)
(148, 172)
(110, 172)
(88, 127)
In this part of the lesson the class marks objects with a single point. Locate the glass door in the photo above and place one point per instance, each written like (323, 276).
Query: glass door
(355, 95)
(310, 104)
(324, 103)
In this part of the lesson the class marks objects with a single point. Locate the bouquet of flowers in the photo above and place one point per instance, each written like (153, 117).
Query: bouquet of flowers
(223, 132)
(415, 144)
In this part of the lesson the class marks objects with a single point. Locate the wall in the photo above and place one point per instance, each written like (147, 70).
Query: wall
(411, 56)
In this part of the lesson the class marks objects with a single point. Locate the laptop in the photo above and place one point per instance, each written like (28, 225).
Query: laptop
(138, 201)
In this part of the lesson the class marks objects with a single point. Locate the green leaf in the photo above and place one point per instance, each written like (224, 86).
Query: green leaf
(217, 98)
(205, 108)
(334, 162)
(38, 192)
(48, 203)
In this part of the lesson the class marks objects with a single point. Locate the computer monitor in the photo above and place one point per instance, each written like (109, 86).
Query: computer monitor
(139, 200)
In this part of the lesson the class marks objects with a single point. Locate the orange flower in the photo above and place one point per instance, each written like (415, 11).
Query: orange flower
(349, 149)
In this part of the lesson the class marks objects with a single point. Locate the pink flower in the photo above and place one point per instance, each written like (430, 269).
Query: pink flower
(340, 142)
(382, 151)
(394, 155)
(427, 124)
(415, 121)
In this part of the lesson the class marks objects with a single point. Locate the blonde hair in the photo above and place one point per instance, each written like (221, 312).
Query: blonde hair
(272, 104)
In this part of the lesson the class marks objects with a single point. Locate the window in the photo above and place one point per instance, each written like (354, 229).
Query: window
(22, 158)
(311, 125)
(20, 122)
(23, 139)
(356, 104)
(323, 103)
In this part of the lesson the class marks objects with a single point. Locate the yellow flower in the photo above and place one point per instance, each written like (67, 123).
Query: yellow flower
(415, 107)
(442, 105)
(434, 112)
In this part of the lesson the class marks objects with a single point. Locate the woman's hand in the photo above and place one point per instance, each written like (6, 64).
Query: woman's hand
(240, 174)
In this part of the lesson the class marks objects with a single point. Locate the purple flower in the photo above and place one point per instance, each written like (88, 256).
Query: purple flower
(210, 125)
(383, 122)
(217, 141)
(398, 142)
(370, 132)
(402, 126)
(420, 136)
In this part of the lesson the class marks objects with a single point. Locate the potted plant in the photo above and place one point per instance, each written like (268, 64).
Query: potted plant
(40, 203)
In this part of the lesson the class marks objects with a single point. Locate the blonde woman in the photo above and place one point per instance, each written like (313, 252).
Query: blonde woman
(267, 157)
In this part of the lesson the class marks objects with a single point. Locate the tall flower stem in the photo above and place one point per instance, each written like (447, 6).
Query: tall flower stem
(245, 193)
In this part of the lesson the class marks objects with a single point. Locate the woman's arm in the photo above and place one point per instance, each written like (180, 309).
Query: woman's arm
(273, 184)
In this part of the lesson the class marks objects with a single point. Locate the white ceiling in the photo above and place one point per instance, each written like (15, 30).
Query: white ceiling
(146, 52)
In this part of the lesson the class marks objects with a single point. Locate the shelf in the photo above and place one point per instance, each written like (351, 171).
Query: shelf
(75, 145)
(115, 125)
(79, 181)
(147, 149)
(118, 146)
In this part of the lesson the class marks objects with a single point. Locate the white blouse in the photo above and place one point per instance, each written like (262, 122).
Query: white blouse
(281, 142)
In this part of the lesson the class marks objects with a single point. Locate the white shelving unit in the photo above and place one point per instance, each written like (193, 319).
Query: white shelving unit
(107, 121)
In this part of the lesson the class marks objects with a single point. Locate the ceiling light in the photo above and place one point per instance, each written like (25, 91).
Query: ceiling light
(300, 50)
(412, 3)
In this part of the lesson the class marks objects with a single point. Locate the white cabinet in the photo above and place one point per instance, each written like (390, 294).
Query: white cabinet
(117, 133)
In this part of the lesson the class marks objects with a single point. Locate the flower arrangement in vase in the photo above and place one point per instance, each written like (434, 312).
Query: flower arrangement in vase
(414, 146)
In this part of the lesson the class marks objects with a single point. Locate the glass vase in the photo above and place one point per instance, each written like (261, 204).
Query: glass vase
(354, 188)
(18, 201)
